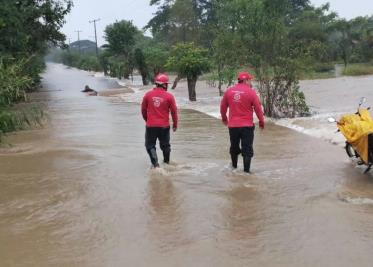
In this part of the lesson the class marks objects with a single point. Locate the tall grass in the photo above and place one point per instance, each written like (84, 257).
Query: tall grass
(358, 70)
(312, 75)
(20, 118)
(13, 86)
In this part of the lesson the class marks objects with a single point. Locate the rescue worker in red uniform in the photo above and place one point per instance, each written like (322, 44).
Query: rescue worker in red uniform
(242, 101)
(156, 107)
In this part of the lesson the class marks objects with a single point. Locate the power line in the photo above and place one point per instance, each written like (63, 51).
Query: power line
(79, 31)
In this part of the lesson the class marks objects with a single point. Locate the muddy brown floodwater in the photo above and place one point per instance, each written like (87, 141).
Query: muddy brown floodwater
(81, 192)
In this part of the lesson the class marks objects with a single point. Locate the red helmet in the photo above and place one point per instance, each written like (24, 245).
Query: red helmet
(161, 78)
(244, 76)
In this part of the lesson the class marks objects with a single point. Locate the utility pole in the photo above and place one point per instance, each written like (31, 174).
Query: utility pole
(79, 31)
(94, 24)
(68, 43)
(68, 48)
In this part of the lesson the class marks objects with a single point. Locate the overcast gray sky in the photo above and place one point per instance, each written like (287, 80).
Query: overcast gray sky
(108, 11)
(140, 13)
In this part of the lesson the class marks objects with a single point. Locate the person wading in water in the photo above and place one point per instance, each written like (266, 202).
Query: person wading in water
(241, 100)
(156, 107)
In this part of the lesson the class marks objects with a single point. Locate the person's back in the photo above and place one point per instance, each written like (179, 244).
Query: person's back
(156, 107)
(158, 104)
(242, 101)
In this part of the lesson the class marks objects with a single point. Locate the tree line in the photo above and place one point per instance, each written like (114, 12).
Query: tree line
(277, 40)
(27, 29)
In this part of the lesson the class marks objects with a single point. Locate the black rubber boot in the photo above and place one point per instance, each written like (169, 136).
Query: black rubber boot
(153, 157)
(246, 164)
(166, 157)
(234, 161)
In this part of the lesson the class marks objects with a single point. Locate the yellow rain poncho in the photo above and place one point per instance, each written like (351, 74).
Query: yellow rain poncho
(356, 129)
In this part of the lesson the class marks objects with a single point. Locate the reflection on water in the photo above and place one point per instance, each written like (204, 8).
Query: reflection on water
(241, 212)
(81, 192)
(166, 214)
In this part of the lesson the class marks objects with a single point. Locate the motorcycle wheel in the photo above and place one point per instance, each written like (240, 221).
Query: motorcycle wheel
(351, 153)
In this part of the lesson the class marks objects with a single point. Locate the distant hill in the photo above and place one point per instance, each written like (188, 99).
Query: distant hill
(86, 46)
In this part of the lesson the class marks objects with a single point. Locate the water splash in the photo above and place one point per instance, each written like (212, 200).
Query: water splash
(357, 200)
(159, 172)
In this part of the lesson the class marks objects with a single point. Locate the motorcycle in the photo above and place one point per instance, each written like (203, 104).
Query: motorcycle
(357, 128)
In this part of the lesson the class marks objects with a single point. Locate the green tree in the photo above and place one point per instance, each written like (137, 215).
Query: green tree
(121, 38)
(226, 48)
(277, 59)
(189, 61)
(153, 58)
(351, 41)
(28, 27)
(362, 39)
(176, 21)
(343, 40)
(278, 39)
(140, 63)
(156, 58)
(310, 31)
(259, 33)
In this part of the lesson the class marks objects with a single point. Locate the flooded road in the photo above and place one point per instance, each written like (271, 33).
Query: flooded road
(81, 192)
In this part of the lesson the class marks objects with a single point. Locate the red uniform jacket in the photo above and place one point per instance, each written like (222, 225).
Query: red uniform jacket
(156, 107)
(241, 101)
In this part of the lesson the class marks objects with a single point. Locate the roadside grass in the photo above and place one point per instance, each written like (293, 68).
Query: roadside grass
(358, 69)
(322, 71)
(20, 117)
(317, 75)
(15, 113)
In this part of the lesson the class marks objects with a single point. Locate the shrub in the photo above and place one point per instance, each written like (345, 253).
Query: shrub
(89, 63)
(324, 67)
(84, 62)
(189, 61)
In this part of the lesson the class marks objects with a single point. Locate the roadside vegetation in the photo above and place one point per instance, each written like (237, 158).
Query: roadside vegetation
(279, 42)
(27, 28)
(358, 69)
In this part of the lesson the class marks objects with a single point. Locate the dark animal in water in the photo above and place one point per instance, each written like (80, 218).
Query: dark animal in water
(89, 91)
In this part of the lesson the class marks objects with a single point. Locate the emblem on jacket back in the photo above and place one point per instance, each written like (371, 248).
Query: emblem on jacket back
(157, 101)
